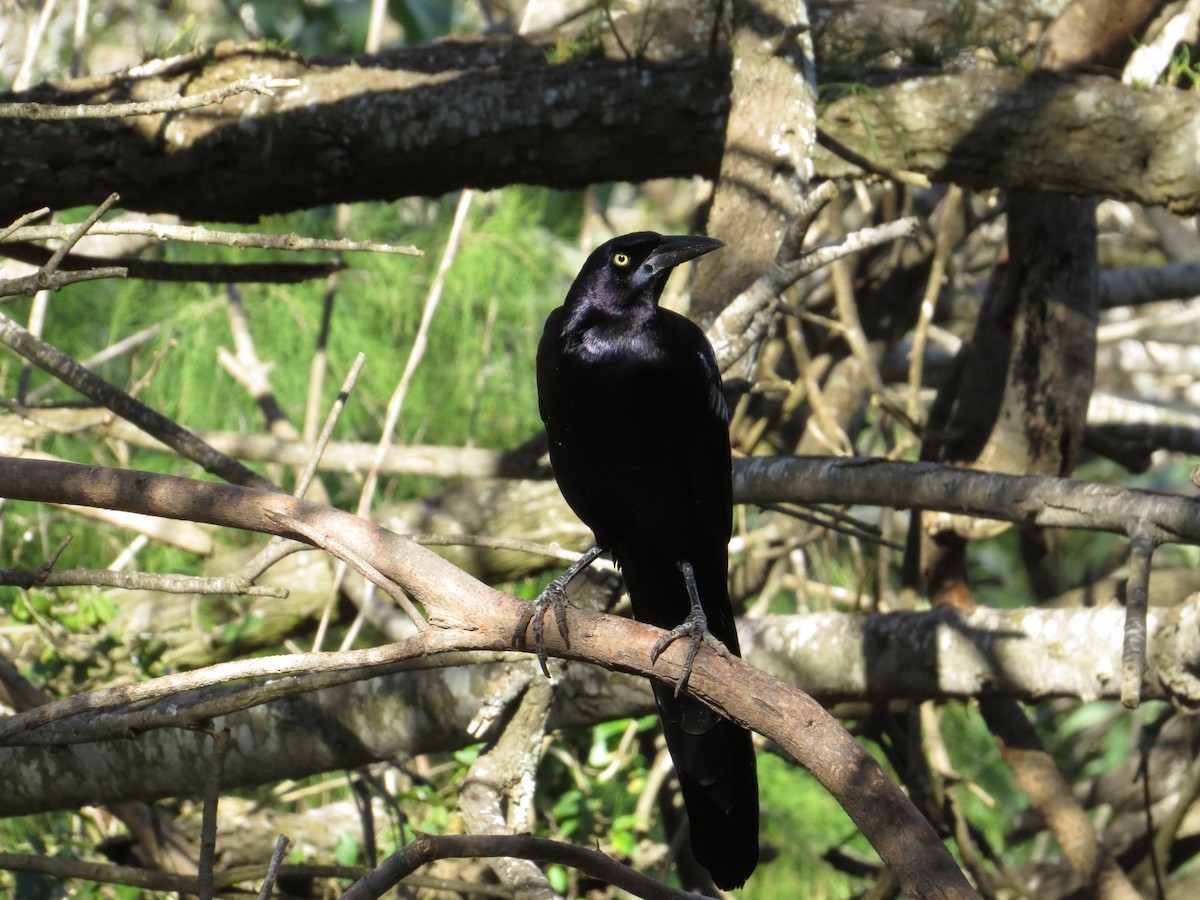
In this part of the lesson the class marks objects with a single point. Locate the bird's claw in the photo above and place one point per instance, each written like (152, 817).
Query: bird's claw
(554, 596)
(695, 629)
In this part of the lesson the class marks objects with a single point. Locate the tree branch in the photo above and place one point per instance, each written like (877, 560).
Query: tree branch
(434, 119)
(1025, 500)
(903, 838)
(67, 370)
(427, 848)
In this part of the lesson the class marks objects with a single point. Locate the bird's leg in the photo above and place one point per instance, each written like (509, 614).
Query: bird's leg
(554, 595)
(694, 627)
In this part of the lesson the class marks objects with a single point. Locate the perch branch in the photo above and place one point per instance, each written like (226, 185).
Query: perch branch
(469, 615)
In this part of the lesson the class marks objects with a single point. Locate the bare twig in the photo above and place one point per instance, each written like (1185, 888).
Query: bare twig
(745, 319)
(251, 372)
(1168, 828)
(501, 778)
(933, 289)
(37, 726)
(417, 352)
(28, 285)
(855, 242)
(1146, 284)
(343, 456)
(1024, 499)
(900, 176)
(162, 270)
(112, 351)
(816, 199)
(78, 33)
(268, 885)
(276, 549)
(77, 232)
(396, 403)
(823, 423)
(279, 547)
(196, 234)
(314, 460)
(23, 219)
(427, 848)
(1156, 319)
(33, 40)
(856, 339)
(331, 419)
(493, 542)
(67, 370)
(348, 555)
(1050, 794)
(208, 822)
(1133, 658)
(138, 581)
(62, 869)
(320, 359)
(184, 535)
(43, 111)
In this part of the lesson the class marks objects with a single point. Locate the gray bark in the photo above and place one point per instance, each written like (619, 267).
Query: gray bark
(437, 118)
(1022, 653)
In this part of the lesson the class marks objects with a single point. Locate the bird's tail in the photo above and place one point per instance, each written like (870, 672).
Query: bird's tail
(714, 758)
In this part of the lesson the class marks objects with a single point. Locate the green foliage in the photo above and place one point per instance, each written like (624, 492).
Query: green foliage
(1089, 739)
(320, 27)
(423, 20)
(238, 630)
(802, 822)
(558, 877)
(508, 273)
(1182, 72)
(347, 849)
(54, 835)
(984, 788)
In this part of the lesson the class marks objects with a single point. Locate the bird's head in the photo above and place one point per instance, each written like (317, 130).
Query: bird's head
(632, 269)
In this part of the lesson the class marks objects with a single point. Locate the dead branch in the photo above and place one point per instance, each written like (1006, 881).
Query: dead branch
(137, 581)
(160, 270)
(482, 618)
(71, 373)
(588, 120)
(196, 234)
(427, 848)
(42, 111)
(1026, 500)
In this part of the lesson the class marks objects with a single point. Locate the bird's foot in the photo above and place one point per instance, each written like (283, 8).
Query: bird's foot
(695, 629)
(554, 596)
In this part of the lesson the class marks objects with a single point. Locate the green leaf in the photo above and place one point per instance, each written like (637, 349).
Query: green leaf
(347, 849)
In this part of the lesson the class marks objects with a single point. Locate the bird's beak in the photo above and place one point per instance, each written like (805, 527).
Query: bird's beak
(675, 250)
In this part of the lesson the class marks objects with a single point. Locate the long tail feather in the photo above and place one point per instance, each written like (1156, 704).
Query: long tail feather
(713, 757)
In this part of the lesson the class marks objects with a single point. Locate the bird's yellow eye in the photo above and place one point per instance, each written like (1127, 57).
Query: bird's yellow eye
(621, 259)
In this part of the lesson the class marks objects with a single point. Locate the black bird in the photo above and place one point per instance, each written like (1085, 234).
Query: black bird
(639, 442)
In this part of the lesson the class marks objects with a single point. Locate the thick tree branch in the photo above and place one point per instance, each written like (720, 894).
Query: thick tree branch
(1025, 654)
(1022, 654)
(1026, 500)
(480, 114)
(455, 601)
(437, 118)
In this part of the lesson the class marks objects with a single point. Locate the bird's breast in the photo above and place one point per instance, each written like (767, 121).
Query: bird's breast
(611, 345)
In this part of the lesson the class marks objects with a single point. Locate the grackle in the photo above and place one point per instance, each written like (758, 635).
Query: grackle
(639, 443)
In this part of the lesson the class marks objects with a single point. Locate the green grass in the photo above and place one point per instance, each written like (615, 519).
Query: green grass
(510, 259)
